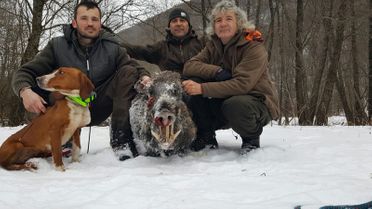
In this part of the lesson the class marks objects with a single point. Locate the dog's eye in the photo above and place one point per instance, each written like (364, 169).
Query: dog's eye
(60, 73)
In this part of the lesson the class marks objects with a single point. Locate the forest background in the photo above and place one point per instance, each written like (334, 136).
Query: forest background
(320, 52)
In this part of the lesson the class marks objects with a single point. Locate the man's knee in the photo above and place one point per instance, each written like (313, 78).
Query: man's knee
(237, 106)
(245, 114)
(126, 78)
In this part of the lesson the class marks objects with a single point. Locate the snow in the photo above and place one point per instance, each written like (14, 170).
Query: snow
(308, 166)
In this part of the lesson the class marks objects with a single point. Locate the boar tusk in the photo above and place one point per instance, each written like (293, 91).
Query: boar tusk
(157, 136)
(174, 136)
(172, 130)
(167, 133)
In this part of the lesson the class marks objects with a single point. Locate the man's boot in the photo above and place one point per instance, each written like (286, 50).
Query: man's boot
(249, 144)
(204, 140)
(122, 144)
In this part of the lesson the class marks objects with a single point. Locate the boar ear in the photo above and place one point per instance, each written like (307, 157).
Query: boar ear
(142, 89)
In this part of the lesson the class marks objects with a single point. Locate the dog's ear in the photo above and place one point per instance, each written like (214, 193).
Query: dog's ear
(86, 86)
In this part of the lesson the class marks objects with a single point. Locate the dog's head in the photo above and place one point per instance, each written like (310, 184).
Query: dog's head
(67, 81)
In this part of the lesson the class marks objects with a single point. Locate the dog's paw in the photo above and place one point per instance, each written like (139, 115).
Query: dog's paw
(75, 159)
(30, 166)
(61, 168)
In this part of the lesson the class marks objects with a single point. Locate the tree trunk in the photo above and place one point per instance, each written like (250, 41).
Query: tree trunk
(270, 34)
(258, 13)
(360, 116)
(34, 39)
(18, 114)
(204, 20)
(316, 91)
(248, 9)
(341, 17)
(284, 99)
(301, 82)
(332, 77)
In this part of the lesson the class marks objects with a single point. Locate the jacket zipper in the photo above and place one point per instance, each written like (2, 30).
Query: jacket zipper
(181, 51)
(87, 59)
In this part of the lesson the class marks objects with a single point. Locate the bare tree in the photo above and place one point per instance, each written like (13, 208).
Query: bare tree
(36, 30)
(11, 42)
(248, 9)
(317, 91)
(360, 116)
(270, 33)
(301, 78)
(203, 8)
(204, 18)
(258, 13)
(284, 89)
(332, 77)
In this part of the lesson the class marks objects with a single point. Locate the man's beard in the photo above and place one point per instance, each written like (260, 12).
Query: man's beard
(81, 35)
(86, 37)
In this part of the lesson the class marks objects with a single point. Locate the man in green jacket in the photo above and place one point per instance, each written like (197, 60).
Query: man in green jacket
(237, 90)
(97, 52)
(180, 44)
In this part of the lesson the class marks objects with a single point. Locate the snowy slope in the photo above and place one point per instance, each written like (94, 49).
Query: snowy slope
(308, 166)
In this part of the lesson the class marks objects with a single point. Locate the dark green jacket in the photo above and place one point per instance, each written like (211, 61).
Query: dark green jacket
(105, 57)
(169, 54)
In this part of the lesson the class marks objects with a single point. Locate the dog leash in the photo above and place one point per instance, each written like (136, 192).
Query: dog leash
(90, 130)
(92, 96)
(85, 103)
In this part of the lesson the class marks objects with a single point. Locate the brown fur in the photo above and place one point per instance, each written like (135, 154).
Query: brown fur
(47, 132)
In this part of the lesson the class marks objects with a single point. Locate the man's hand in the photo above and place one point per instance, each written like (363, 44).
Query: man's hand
(32, 101)
(192, 88)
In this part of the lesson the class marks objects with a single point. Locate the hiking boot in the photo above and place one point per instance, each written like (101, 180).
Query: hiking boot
(202, 142)
(249, 144)
(122, 145)
(212, 143)
(123, 153)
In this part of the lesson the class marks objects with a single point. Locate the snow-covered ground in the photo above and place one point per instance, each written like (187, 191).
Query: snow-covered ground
(308, 166)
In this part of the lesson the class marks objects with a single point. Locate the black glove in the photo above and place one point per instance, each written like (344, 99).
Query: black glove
(223, 75)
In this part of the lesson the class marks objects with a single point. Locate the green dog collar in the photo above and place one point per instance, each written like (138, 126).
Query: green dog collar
(85, 102)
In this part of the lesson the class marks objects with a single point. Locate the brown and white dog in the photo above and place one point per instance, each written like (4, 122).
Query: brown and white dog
(48, 132)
